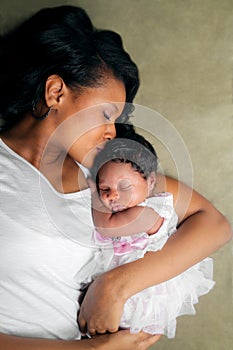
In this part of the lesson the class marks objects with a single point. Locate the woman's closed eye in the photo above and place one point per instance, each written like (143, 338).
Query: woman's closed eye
(107, 116)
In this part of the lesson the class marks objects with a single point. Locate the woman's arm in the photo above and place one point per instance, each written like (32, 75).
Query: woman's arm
(121, 340)
(202, 230)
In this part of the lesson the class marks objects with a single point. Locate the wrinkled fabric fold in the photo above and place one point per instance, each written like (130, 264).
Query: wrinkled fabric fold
(153, 310)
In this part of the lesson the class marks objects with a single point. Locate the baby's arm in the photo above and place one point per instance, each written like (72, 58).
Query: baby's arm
(127, 222)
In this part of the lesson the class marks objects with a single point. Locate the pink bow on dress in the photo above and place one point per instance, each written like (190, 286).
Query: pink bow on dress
(124, 247)
(120, 245)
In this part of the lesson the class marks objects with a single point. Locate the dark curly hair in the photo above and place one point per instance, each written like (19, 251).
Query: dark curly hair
(134, 149)
(59, 40)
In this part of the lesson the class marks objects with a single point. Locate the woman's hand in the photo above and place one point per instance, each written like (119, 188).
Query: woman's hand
(102, 307)
(123, 340)
(106, 318)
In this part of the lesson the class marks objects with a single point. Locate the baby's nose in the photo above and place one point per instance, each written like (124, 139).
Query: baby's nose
(113, 195)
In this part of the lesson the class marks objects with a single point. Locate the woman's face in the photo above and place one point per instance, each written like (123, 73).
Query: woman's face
(121, 187)
(91, 124)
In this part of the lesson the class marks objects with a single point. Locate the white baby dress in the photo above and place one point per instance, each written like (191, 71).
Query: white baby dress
(153, 310)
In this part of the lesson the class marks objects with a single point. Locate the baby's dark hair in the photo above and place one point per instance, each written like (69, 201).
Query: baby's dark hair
(134, 149)
(59, 40)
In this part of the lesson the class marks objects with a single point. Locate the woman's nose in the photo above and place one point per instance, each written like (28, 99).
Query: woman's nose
(110, 132)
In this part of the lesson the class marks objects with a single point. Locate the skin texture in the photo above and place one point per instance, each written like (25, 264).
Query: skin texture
(64, 38)
(75, 130)
(86, 122)
(121, 189)
(121, 186)
(202, 232)
(122, 340)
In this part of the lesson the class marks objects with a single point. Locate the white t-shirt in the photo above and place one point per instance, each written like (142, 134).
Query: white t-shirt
(45, 240)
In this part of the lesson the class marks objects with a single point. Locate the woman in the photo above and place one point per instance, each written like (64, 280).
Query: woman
(63, 86)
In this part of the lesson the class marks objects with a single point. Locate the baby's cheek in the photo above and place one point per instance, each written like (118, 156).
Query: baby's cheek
(105, 201)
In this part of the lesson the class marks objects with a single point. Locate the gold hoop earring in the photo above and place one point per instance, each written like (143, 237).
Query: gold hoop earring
(39, 117)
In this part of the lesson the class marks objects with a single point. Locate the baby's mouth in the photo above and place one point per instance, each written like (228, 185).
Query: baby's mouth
(117, 207)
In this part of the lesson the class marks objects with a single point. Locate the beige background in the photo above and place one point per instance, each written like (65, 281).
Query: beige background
(184, 53)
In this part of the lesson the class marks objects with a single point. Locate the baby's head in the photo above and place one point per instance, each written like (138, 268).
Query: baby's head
(124, 172)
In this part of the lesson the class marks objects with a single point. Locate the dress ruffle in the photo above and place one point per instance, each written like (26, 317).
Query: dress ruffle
(155, 309)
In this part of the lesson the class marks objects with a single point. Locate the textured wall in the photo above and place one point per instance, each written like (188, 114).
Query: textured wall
(184, 52)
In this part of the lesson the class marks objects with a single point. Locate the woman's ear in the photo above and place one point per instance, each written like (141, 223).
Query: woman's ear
(152, 181)
(54, 90)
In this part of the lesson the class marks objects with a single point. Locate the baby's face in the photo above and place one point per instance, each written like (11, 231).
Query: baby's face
(121, 187)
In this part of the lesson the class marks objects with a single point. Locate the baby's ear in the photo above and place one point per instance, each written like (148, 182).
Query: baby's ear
(152, 181)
